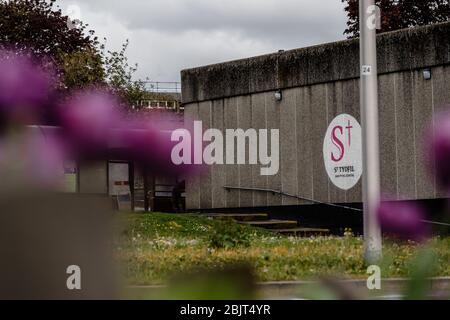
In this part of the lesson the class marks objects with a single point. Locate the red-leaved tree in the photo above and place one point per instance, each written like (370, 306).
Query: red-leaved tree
(399, 14)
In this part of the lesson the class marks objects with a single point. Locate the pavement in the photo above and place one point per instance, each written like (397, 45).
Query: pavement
(391, 289)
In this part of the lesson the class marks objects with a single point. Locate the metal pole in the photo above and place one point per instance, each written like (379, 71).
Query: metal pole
(369, 15)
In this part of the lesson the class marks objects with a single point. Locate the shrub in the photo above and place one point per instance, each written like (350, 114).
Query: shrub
(229, 234)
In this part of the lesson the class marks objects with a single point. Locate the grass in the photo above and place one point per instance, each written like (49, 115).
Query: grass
(154, 247)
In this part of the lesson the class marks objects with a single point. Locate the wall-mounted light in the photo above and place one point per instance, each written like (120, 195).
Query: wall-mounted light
(278, 95)
(427, 74)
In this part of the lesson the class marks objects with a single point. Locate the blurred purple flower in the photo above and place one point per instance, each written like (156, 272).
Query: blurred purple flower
(148, 147)
(32, 159)
(46, 160)
(24, 86)
(87, 118)
(95, 128)
(403, 220)
(148, 143)
(438, 149)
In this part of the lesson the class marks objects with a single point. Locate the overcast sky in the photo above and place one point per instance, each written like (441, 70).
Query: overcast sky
(167, 36)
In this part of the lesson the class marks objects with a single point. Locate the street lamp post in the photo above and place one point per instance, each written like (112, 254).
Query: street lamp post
(369, 21)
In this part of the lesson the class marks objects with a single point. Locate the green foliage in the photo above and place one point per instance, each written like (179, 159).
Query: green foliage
(176, 226)
(229, 234)
(154, 247)
(39, 28)
(422, 269)
(119, 75)
(235, 283)
(399, 14)
(348, 233)
(81, 69)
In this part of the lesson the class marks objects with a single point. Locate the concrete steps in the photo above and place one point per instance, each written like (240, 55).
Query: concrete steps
(241, 216)
(304, 232)
(273, 224)
(262, 220)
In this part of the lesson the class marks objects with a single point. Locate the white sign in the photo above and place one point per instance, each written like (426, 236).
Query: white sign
(342, 152)
(366, 70)
(118, 179)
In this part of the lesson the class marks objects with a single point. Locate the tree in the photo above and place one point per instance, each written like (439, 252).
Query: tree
(82, 69)
(399, 14)
(119, 75)
(39, 28)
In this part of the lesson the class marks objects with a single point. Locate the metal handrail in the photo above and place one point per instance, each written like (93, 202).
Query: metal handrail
(159, 86)
(228, 188)
(293, 196)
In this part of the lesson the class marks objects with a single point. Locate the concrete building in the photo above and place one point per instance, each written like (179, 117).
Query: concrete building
(167, 101)
(162, 96)
(131, 186)
(300, 92)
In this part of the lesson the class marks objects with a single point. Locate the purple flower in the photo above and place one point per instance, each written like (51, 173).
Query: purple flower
(148, 143)
(87, 118)
(33, 158)
(24, 86)
(95, 128)
(403, 220)
(46, 160)
(438, 150)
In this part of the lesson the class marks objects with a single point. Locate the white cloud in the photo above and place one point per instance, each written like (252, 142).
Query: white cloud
(169, 35)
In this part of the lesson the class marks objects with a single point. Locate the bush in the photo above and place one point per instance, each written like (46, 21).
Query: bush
(229, 234)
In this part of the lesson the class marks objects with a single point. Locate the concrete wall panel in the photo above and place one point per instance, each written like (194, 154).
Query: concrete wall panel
(405, 135)
(218, 170)
(305, 161)
(319, 83)
(400, 51)
(273, 122)
(231, 171)
(441, 100)
(388, 138)
(259, 121)
(288, 146)
(351, 106)
(335, 106)
(318, 100)
(193, 181)
(204, 113)
(244, 114)
(423, 114)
